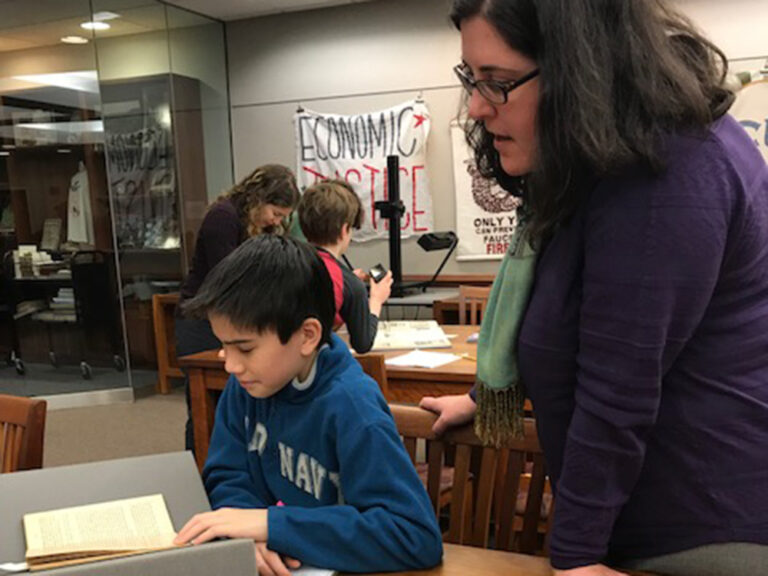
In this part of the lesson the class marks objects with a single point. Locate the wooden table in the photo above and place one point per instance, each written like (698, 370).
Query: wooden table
(470, 561)
(405, 384)
(466, 561)
(409, 385)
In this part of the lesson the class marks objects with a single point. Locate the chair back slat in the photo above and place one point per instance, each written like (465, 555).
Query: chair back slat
(410, 447)
(486, 482)
(473, 299)
(374, 366)
(509, 489)
(530, 533)
(459, 495)
(22, 430)
(435, 473)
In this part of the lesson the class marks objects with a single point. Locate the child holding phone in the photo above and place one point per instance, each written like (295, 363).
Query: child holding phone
(328, 212)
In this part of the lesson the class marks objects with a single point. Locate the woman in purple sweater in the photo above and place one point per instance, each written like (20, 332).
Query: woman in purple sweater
(260, 203)
(644, 342)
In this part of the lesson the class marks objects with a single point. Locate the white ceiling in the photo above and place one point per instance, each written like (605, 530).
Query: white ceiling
(24, 28)
(239, 9)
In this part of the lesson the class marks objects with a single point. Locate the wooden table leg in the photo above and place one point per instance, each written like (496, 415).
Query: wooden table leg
(202, 414)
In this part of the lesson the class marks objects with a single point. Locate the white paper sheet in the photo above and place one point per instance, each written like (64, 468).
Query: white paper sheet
(423, 359)
(312, 571)
(11, 567)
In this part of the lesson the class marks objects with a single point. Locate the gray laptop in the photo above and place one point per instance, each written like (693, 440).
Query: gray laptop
(174, 475)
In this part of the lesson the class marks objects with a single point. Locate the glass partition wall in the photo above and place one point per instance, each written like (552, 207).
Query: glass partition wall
(114, 135)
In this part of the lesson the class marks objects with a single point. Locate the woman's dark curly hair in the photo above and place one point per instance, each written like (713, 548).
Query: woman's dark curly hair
(269, 184)
(616, 76)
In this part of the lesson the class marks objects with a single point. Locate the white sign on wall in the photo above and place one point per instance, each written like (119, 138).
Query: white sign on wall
(485, 212)
(751, 110)
(354, 148)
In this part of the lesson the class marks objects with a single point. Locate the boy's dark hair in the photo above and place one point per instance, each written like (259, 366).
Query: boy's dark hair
(268, 283)
(325, 207)
(616, 77)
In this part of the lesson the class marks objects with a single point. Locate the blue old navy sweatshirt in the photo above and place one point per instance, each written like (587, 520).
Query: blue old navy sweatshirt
(329, 450)
(644, 350)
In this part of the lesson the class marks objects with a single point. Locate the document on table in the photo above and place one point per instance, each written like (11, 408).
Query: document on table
(402, 335)
(312, 571)
(423, 359)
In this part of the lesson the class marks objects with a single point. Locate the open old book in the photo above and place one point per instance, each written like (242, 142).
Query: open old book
(97, 532)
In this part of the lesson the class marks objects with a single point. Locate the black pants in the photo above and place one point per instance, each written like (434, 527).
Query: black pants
(192, 336)
(732, 559)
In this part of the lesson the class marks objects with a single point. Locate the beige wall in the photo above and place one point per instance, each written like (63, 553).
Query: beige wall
(739, 27)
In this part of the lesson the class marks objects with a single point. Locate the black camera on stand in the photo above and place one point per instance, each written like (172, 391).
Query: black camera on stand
(393, 209)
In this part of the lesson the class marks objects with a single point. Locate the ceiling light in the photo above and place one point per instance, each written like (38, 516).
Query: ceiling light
(63, 150)
(81, 127)
(5, 153)
(95, 26)
(103, 16)
(9, 147)
(82, 81)
(74, 40)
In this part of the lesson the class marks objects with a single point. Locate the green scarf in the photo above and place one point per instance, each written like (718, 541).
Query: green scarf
(500, 394)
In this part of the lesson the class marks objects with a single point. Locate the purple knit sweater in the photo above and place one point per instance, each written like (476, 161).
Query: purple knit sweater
(220, 233)
(645, 352)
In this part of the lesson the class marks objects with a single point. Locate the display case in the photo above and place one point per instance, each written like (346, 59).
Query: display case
(112, 141)
(154, 151)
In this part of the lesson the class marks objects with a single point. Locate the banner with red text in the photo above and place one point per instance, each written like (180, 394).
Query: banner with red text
(485, 212)
(355, 148)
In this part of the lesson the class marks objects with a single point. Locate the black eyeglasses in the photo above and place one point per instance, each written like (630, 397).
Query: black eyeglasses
(494, 91)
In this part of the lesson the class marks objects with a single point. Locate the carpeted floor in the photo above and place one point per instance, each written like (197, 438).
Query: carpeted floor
(150, 425)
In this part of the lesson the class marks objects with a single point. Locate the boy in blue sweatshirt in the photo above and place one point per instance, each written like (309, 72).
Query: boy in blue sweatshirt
(305, 458)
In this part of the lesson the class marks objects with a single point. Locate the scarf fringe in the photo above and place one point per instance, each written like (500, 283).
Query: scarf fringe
(499, 417)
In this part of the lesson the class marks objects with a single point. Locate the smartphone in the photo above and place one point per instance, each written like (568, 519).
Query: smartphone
(377, 272)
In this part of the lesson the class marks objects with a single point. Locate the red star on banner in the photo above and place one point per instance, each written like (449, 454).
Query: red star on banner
(420, 119)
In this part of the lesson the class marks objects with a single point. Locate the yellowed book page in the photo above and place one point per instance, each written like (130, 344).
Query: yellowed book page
(117, 526)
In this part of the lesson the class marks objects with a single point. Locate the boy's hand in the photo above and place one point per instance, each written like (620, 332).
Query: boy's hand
(360, 273)
(224, 523)
(272, 564)
(380, 291)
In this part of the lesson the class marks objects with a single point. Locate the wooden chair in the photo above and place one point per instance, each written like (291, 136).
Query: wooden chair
(473, 299)
(163, 310)
(22, 429)
(374, 366)
(472, 525)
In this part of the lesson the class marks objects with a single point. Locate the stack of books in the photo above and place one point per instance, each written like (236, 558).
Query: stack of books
(64, 301)
(28, 307)
(61, 308)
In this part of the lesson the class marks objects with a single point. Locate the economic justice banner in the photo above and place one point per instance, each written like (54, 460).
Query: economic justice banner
(355, 148)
